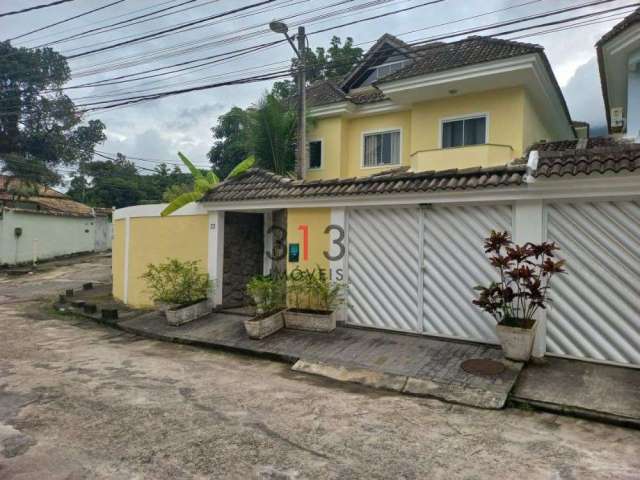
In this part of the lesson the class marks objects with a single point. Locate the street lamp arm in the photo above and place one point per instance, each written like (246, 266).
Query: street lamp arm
(293, 45)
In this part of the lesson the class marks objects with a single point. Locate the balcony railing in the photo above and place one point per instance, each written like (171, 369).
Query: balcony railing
(485, 155)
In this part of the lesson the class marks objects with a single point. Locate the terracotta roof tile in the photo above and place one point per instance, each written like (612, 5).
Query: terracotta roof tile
(619, 158)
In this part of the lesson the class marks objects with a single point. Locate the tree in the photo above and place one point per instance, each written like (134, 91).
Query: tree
(273, 132)
(202, 183)
(267, 129)
(40, 127)
(231, 144)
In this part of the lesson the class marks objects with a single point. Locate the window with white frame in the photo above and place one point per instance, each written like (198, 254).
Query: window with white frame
(381, 148)
(315, 154)
(464, 131)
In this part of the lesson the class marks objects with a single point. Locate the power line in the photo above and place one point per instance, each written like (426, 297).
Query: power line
(146, 37)
(123, 23)
(67, 20)
(36, 7)
(51, 34)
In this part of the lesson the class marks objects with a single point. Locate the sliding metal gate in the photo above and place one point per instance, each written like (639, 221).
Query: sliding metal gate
(455, 262)
(384, 267)
(596, 307)
(414, 269)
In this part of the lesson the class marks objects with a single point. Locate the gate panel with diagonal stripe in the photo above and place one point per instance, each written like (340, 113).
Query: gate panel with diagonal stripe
(595, 311)
(454, 262)
(384, 267)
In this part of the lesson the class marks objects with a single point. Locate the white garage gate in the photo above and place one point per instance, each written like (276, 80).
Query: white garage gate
(414, 268)
(596, 307)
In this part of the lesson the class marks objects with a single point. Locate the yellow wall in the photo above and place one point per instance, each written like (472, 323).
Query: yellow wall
(512, 123)
(154, 240)
(317, 220)
(534, 128)
(358, 126)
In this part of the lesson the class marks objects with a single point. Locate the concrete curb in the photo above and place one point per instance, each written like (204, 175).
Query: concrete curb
(380, 380)
(419, 387)
(576, 412)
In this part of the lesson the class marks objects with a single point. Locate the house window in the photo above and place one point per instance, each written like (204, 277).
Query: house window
(315, 154)
(466, 131)
(380, 71)
(382, 148)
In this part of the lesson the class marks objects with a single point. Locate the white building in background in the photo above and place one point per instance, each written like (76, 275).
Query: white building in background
(619, 62)
(47, 225)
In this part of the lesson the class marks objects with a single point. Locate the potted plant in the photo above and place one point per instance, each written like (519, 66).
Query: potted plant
(180, 289)
(314, 299)
(268, 293)
(525, 273)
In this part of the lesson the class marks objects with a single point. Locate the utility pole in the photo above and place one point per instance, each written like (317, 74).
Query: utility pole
(301, 151)
(301, 79)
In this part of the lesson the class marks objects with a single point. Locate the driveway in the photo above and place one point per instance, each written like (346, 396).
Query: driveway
(78, 400)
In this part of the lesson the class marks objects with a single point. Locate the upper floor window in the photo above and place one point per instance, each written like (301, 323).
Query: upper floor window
(315, 154)
(380, 71)
(382, 148)
(464, 131)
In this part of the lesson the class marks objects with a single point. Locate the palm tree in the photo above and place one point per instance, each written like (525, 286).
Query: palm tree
(272, 135)
(202, 183)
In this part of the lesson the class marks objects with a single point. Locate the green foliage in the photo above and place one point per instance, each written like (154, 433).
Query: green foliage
(332, 63)
(268, 128)
(268, 292)
(313, 290)
(176, 282)
(273, 133)
(174, 191)
(202, 183)
(42, 128)
(117, 183)
(231, 144)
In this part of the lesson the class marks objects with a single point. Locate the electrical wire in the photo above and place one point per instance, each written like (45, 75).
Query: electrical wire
(67, 20)
(35, 7)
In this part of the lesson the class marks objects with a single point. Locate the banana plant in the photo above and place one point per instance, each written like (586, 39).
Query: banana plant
(202, 183)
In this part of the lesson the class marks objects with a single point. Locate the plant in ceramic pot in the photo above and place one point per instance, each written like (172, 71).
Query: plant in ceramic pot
(180, 289)
(525, 273)
(313, 299)
(269, 295)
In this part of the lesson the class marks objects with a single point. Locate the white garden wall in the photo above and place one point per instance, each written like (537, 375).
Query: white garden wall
(43, 236)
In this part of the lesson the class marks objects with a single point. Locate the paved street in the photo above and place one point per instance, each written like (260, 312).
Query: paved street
(78, 400)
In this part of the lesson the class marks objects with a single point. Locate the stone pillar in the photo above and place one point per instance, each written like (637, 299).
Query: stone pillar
(216, 253)
(528, 226)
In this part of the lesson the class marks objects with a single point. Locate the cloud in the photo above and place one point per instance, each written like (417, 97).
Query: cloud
(189, 117)
(584, 96)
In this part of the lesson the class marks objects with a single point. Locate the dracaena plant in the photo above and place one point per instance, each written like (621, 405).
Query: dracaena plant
(525, 274)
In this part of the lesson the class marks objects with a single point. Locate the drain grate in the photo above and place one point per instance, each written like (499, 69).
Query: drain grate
(483, 367)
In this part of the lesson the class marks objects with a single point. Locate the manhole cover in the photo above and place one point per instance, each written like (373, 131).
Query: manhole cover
(482, 366)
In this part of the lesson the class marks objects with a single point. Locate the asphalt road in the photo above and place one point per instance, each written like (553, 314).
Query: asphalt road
(78, 400)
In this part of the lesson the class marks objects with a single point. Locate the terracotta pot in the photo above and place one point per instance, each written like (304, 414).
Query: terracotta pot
(313, 321)
(517, 342)
(261, 327)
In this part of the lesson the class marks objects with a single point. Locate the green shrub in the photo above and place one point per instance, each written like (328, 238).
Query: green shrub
(313, 290)
(177, 282)
(268, 292)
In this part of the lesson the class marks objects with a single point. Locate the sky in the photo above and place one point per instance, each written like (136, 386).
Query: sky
(157, 130)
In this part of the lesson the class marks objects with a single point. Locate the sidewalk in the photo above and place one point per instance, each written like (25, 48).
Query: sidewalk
(589, 390)
(404, 363)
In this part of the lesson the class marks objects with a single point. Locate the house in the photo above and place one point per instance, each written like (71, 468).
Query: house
(619, 63)
(41, 224)
(414, 157)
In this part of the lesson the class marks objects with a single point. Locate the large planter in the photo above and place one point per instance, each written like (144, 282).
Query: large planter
(517, 342)
(181, 314)
(310, 320)
(264, 325)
